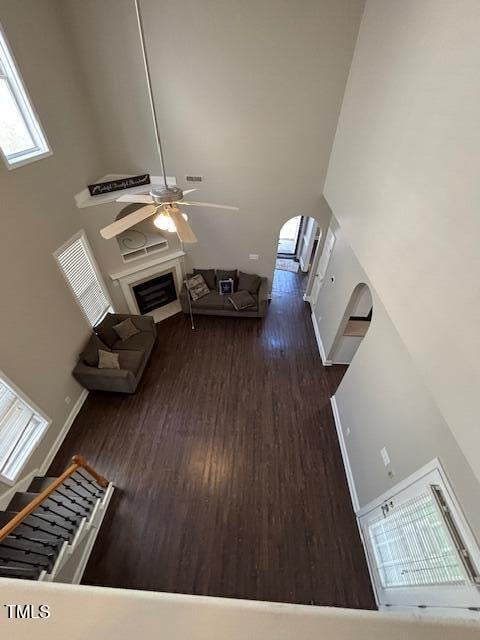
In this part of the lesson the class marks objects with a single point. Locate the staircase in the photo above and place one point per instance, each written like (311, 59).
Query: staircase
(48, 531)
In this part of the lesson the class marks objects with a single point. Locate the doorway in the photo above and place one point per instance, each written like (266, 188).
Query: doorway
(354, 325)
(288, 238)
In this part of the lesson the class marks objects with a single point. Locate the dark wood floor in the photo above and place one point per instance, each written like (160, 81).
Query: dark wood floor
(229, 475)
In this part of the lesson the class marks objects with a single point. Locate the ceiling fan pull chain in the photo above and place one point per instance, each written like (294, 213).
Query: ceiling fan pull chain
(150, 93)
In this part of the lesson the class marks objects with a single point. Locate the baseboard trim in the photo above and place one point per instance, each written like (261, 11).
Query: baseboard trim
(346, 461)
(63, 431)
(321, 348)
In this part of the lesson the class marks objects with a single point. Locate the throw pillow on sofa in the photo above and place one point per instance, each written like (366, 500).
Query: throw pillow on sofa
(108, 360)
(208, 276)
(242, 300)
(231, 274)
(90, 354)
(105, 331)
(125, 329)
(197, 287)
(248, 282)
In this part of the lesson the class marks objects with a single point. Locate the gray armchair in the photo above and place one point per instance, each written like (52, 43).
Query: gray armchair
(133, 355)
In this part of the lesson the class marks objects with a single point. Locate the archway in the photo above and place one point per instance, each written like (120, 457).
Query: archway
(354, 325)
(297, 241)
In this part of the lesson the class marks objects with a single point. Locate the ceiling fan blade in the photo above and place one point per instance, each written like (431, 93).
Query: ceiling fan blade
(139, 197)
(128, 221)
(189, 191)
(210, 204)
(184, 230)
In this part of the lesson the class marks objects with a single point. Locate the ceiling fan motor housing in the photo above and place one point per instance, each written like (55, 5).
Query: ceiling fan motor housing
(164, 195)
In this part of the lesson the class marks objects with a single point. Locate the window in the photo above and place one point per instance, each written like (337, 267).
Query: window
(78, 266)
(21, 137)
(21, 427)
(421, 550)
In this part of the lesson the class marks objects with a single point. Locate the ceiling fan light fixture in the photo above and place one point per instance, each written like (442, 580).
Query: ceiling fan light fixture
(164, 222)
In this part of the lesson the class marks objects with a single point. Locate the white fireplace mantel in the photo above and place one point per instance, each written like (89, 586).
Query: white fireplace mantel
(146, 265)
(128, 278)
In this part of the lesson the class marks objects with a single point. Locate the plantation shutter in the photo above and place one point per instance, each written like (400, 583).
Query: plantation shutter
(414, 547)
(20, 430)
(79, 270)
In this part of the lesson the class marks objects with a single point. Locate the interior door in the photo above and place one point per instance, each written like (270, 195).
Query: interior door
(322, 266)
(420, 549)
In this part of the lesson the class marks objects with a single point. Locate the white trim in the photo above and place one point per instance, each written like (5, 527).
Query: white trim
(81, 235)
(63, 431)
(428, 604)
(77, 576)
(26, 109)
(307, 298)
(302, 265)
(35, 409)
(346, 461)
(321, 348)
(23, 483)
(145, 265)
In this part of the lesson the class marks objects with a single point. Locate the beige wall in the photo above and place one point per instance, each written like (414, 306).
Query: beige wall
(42, 328)
(248, 95)
(119, 614)
(383, 399)
(403, 182)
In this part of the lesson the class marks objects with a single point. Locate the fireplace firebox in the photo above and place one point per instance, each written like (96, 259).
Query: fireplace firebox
(155, 293)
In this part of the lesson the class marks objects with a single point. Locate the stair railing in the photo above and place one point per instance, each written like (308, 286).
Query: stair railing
(78, 462)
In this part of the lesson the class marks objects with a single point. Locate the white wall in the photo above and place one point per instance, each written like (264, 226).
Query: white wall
(117, 614)
(41, 325)
(383, 400)
(403, 182)
(248, 95)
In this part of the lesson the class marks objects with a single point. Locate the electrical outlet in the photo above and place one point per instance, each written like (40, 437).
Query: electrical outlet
(253, 256)
(385, 456)
(68, 400)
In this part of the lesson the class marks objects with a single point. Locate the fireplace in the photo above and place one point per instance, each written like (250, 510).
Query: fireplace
(153, 288)
(155, 293)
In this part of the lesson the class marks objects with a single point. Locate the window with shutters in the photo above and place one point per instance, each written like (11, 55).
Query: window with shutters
(78, 265)
(21, 428)
(22, 139)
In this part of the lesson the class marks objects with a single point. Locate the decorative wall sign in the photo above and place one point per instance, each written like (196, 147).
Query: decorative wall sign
(118, 185)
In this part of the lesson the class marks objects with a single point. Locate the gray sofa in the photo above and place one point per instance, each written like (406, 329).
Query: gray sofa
(215, 304)
(133, 355)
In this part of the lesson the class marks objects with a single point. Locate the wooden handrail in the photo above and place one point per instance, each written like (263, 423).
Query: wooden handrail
(78, 462)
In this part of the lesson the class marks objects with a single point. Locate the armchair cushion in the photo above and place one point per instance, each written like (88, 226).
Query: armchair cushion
(105, 331)
(90, 354)
(125, 329)
(108, 360)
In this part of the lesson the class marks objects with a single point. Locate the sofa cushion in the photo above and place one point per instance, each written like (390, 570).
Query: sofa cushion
(141, 341)
(223, 274)
(242, 300)
(90, 353)
(208, 276)
(197, 287)
(125, 329)
(105, 331)
(248, 282)
(131, 360)
(108, 359)
(212, 300)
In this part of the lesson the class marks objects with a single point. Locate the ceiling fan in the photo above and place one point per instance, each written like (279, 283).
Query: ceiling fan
(161, 201)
